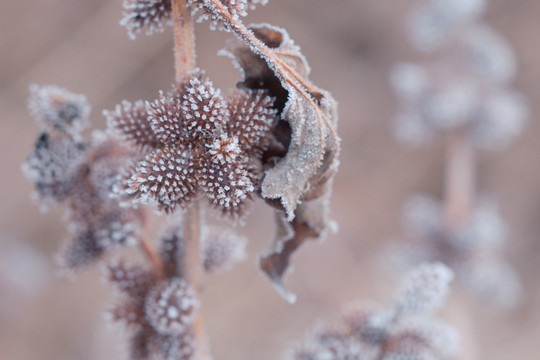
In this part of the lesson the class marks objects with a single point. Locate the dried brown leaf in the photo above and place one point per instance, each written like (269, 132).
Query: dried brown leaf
(301, 178)
(311, 113)
(311, 221)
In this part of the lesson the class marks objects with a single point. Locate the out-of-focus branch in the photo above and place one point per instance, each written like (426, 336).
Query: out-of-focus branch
(460, 177)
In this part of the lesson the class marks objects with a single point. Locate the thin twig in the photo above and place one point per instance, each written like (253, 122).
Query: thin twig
(152, 255)
(459, 197)
(460, 177)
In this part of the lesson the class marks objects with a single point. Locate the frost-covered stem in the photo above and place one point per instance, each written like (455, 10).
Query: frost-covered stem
(190, 262)
(184, 39)
(281, 68)
(152, 255)
(191, 269)
(460, 177)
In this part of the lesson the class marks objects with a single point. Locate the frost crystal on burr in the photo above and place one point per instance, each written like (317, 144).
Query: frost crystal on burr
(58, 108)
(432, 25)
(165, 179)
(201, 147)
(130, 122)
(149, 16)
(218, 17)
(80, 174)
(467, 87)
(487, 54)
(437, 98)
(132, 280)
(171, 306)
(472, 250)
(54, 167)
(424, 289)
(369, 332)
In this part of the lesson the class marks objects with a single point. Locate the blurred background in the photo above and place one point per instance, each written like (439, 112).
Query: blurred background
(351, 46)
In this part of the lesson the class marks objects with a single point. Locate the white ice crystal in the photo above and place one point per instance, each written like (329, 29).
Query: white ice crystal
(494, 282)
(404, 331)
(150, 15)
(432, 25)
(472, 249)
(500, 118)
(438, 98)
(450, 104)
(422, 214)
(485, 227)
(59, 109)
(487, 54)
(424, 288)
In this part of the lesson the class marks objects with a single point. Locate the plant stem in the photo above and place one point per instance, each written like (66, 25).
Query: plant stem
(460, 177)
(459, 197)
(190, 261)
(191, 265)
(152, 255)
(461, 313)
(184, 39)
(191, 269)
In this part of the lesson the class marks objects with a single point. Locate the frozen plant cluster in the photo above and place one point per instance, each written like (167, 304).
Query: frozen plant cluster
(465, 95)
(404, 330)
(435, 23)
(158, 314)
(158, 310)
(195, 141)
(79, 173)
(468, 86)
(273, 136)
(473, 250)
(59, 109)
(159, 305)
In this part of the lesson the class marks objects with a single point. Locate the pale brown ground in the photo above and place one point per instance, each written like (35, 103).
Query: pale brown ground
(351, 45)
